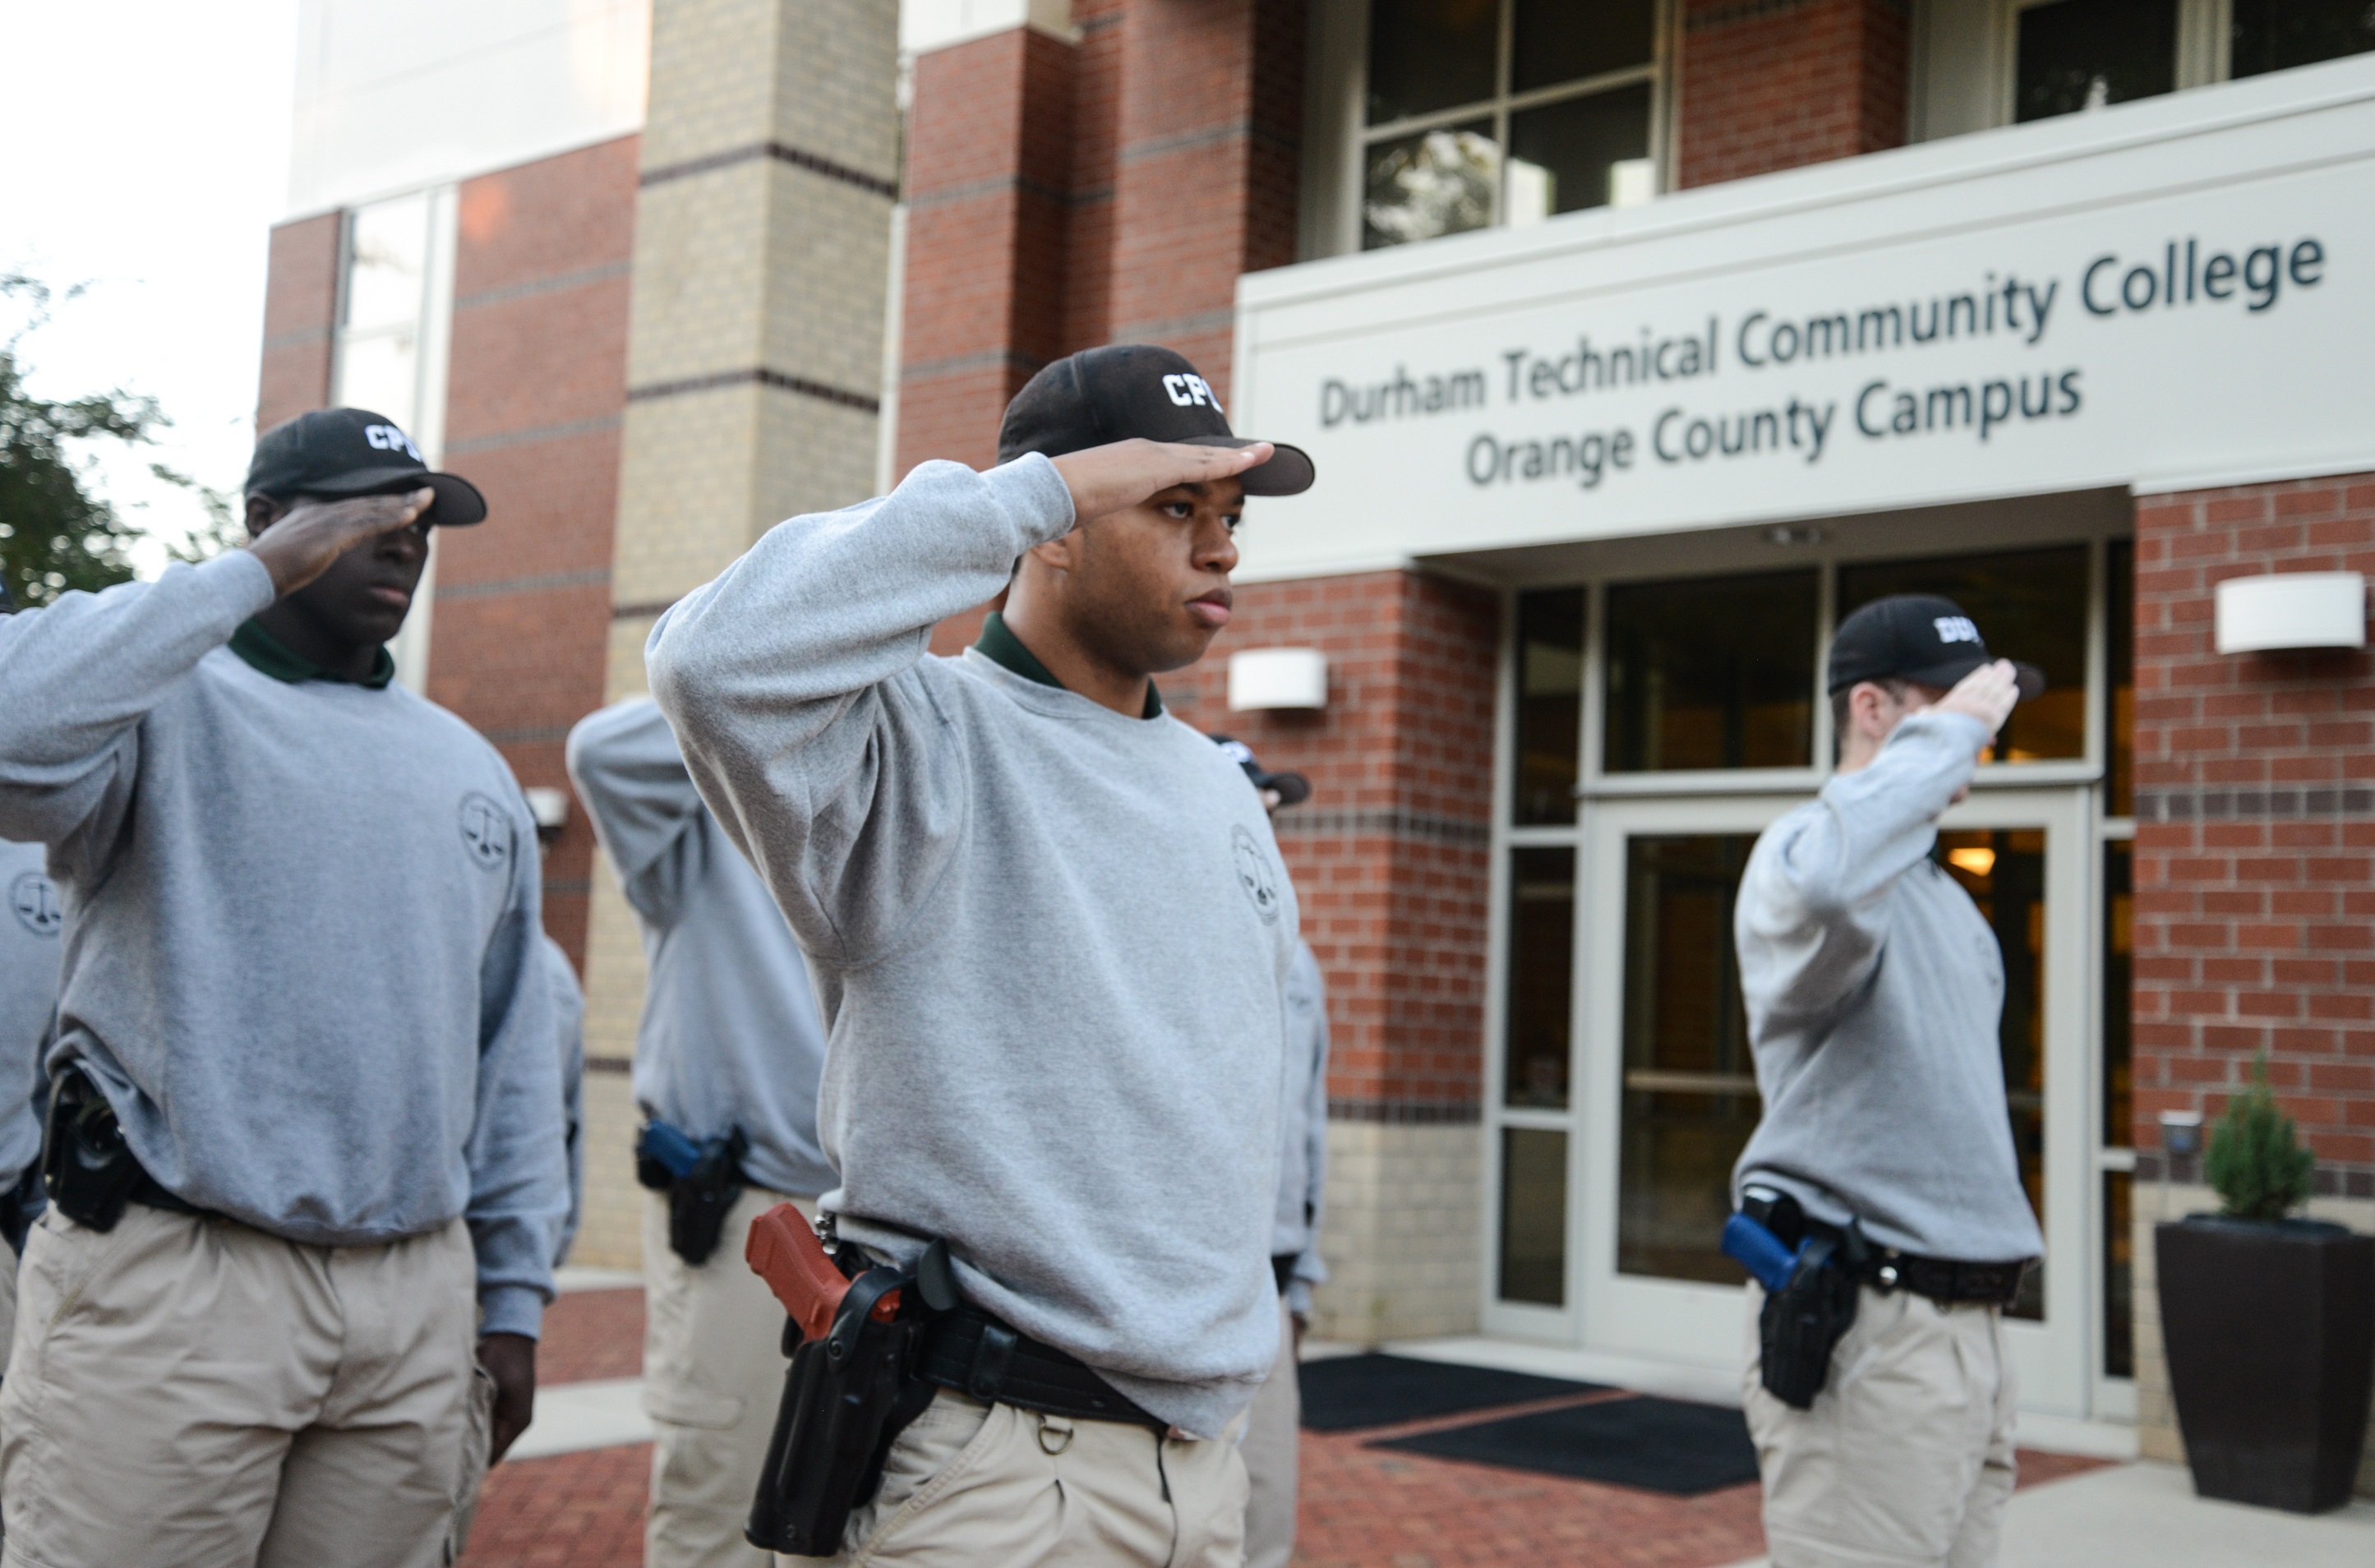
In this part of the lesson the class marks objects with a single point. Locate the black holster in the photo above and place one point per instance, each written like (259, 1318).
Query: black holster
(845, 1398)
(90, 1170)
(701, 1198)
(1803, 1322)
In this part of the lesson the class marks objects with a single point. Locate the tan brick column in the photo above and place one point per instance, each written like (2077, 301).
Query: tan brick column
(770, 165)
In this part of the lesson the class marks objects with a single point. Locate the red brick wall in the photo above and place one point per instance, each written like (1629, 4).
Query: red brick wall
(988, 192)
(539, 379)
(1388, 857)
(1211, 108)
(1064, 196)
(301, 307)
(2255, 828)
(1776, 84)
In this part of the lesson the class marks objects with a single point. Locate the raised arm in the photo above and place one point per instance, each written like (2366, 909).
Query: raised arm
(1812, 917)
(789, 683)
(790, 679)
(628, 770)
(77, 676)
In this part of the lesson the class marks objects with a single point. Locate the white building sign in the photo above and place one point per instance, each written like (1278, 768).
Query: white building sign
(2176, 291)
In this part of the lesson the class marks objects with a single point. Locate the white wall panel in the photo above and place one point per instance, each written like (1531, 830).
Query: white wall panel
(395, 94)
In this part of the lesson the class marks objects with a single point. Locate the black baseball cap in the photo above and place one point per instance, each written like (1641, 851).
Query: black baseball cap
(1293, 789)
(343, 451)
(1128, 390)
(1924, 638)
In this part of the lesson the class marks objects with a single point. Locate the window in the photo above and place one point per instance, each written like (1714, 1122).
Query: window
(1550, 691)
(1711, 673)
(1988, 63)
(2075, 55)
(1481, 112)
(1690, 1085)
(2273, 35)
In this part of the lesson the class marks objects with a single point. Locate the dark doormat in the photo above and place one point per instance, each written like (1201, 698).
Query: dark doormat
(1345, 1393)
(1655, 1444)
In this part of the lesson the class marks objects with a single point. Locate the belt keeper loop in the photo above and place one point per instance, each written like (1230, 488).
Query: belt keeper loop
(991, 1355)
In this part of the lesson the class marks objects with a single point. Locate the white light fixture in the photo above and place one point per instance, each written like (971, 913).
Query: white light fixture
(1632, 181)
(2292, 609)
(1277, 678)
(549, 806)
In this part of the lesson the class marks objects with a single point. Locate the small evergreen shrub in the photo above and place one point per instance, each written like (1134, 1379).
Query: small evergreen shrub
(2256, 1162)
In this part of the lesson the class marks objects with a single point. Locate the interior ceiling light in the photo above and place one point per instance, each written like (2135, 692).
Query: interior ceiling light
(1978, 862)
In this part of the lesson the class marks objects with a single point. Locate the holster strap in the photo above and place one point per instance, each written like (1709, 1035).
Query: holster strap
(969, 1350)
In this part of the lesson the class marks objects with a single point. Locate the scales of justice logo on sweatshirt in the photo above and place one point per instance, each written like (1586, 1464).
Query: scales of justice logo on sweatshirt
(1255, 875)
(486, 832)
(35, 899)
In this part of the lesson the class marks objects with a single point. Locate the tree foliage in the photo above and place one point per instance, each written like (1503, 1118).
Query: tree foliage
(2256, 1162)
(54, 535)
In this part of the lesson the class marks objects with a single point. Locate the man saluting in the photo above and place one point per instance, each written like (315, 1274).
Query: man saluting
(304, 1152)
(1050, 933)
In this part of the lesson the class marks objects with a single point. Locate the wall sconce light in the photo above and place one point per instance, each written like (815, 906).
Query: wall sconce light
(1278, 678)
(2292, 609)
(549, 806)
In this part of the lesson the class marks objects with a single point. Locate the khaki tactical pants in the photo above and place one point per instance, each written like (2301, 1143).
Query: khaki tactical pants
(1906, 1460)
(1271, 1456)
(712, 1376)
(969, 1484)
(190, 1393)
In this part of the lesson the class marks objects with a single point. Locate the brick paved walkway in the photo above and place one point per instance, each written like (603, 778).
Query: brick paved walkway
(1362, 1507)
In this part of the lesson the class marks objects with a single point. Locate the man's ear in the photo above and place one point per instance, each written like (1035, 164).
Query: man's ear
(263, 511)
(1056, 555)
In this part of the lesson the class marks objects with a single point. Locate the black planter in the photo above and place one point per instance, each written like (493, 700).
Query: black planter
(2270, 1327)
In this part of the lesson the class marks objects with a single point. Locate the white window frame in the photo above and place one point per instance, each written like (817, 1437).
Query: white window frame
(1336, 136)
(424, 417)
(1955, 40)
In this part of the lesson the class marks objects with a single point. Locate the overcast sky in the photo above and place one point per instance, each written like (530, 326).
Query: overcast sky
(143, 151)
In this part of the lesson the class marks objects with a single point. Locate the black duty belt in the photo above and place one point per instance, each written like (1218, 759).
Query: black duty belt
(976, 1355)
(1947, 1280)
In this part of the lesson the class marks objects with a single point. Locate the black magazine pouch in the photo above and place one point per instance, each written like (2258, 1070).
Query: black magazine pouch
(845, 1398)
(1803, 1322)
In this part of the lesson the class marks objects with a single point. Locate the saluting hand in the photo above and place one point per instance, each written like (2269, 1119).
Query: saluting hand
(302, 542)
(1986, 694)
(1105, 479)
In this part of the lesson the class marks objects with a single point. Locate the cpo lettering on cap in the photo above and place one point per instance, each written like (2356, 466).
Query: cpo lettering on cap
(1188, 391)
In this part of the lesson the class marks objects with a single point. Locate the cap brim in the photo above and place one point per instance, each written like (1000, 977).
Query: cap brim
(458, 502)
(1288, 472)
(2026, 676)
(1293, 789)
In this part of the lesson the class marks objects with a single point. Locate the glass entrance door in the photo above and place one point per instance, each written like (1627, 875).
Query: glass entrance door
(1666, 1089)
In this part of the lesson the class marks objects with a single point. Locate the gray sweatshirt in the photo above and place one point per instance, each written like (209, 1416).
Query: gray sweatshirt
(1874, 988)
(29, 948)
(300, 926)
(1051, 941)
(569, 1045)
(730, 1034)
(1303, 1130)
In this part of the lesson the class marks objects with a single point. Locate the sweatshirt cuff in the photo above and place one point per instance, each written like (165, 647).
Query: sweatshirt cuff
(244, 582)
(511, 1309)
(1031, 491)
